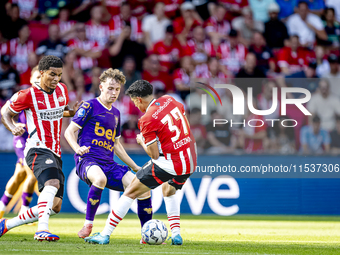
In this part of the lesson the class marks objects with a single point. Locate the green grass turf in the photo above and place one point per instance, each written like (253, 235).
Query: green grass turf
(241, 234)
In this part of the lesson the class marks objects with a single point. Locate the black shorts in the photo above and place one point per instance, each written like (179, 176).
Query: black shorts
(46, 166)
(152, 176)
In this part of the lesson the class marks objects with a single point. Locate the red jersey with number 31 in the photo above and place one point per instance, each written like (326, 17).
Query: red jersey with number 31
(44, 114)
(165, 123)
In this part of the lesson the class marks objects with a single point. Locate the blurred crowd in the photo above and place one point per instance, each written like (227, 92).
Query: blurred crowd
(176, 44)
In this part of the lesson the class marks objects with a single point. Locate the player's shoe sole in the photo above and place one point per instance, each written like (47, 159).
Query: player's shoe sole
(85, 231)
(45, 236)
(97, 238)
(3, 227)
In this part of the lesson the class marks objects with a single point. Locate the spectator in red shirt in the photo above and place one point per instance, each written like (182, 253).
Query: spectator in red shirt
(293, 59)
(119, 21)
(28, 8)
(113, 6)
(20, 48)
(168, 50)
(159, 79)
(171, 7)
(232, 53)
(184, 25)
(234, 7)
(66, 26)
(199, 47)
(182, 76)
(96, 30)
(214, 75)
(129, 133)
(264, 55)
(254, 137)
(216, 25)
(87, 51)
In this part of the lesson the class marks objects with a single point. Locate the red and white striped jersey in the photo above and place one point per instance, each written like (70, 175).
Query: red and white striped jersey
(233, 59)
(212, 25)
(99, 33)
(113, 6)
(64, 25)
(84, 63)
(171, 7)
(201, 51)
(164, 122)
(295, 61)
(44, 114)
(26, 7)
(116, 24)
(19, 54)
(180, 76)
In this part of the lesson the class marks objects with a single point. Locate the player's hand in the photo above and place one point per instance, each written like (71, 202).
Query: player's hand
(77, 105)
(18, 131)
(82, 150)
(136, 169)
(139, 139)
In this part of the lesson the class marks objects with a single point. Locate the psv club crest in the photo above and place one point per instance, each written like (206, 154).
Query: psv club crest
(61, 99)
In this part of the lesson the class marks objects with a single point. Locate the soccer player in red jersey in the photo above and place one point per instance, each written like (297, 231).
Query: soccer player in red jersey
(21, 169)
(45, 104)
(167, 139)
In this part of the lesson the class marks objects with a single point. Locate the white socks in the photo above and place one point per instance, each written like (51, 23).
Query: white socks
(45, 203)
(173, 212)
(115, 216)
(2, 206)
(88, 222)
(29, 216)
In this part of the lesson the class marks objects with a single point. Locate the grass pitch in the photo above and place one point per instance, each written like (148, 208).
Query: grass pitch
(201, 234)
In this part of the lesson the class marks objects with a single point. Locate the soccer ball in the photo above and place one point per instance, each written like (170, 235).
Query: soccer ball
(154, 232)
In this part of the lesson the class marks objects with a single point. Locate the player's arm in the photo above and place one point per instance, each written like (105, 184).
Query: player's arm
(68, 112)
(4, 108)
(71, 138)
(151, 149)
(123, 156)
(7, 120)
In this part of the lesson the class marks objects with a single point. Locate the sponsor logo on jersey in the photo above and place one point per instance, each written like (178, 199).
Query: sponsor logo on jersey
(81, 112)
(48, 161)
(161, 108)
(52, 114)
(41, 102)
(61, 99)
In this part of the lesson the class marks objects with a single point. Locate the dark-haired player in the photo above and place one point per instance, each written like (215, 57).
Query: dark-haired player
(22, 171)
(98, 123)
(45, 104)
(166, 138)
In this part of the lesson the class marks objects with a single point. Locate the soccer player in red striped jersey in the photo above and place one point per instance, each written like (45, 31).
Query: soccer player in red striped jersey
(45, 104)
(167, 139)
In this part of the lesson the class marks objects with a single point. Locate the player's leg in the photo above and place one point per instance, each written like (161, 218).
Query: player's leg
(150, 176)
(134, 190)
(27, 190)
(144, 205)
(173, 207)
(98, 179)
(31, 215)
(12, 187)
